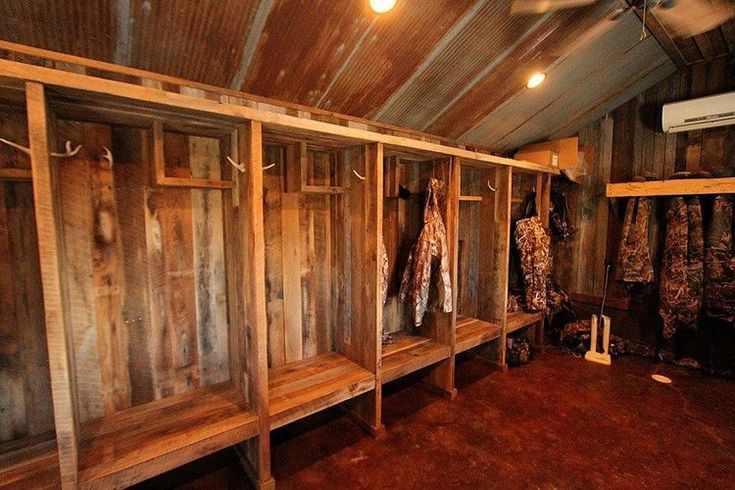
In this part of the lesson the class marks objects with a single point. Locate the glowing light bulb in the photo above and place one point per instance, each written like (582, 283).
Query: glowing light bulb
(382, 6)
(535, 80)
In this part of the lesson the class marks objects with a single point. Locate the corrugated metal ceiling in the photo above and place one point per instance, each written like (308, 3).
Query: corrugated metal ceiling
(455, 68)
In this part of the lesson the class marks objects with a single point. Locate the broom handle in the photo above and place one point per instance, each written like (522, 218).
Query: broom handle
(604, 292)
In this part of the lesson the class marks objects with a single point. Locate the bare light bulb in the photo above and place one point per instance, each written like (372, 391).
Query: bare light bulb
(382, 6)
(535, 80)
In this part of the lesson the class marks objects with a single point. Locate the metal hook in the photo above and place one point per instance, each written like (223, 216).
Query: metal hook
(238, 166)
(357, 174)
(25, 150)
(492, 189)
(107, 155)
(69, 152)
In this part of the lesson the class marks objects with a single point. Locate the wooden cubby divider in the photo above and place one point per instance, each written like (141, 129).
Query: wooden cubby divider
(189, 307)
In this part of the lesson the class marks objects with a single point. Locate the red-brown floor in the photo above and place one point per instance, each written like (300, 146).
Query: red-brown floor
(558, 422)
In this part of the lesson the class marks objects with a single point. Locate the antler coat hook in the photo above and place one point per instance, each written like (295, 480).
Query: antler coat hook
(22, 148)
(492, 189)
(357, 174)
(107, 155)
(239, 166)
(69, 152)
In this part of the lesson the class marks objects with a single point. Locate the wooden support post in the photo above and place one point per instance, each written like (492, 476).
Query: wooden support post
(441, 378)
(366, 231)
(250, 343)
(56, 315)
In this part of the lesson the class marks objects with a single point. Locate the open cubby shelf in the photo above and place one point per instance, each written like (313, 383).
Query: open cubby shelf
(472, 332)
(33, 466)
(410, 353)
(139, 442)
(300, 388)
(520, 319)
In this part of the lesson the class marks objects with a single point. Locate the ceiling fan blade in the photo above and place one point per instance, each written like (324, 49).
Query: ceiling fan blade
(521, 7)
(691, 17)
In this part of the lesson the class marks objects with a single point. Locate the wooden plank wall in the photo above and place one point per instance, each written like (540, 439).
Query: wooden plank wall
(638, 146)
(303, 252)
(145, 268)
(477, 220)
(26, 412)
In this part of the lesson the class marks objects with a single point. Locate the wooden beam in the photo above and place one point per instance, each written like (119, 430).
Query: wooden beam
(676, 187)
(56, 316)
(662, 36)
(15, 174)
(148, 97)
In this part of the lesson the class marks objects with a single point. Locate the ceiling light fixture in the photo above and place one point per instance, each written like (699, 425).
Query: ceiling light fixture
(382, 6)
(536, 79)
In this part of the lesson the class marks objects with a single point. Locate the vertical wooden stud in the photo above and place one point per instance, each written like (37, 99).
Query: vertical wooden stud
(49, 244)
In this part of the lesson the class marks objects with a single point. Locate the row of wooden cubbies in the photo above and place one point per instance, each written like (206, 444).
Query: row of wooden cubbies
(166, 302)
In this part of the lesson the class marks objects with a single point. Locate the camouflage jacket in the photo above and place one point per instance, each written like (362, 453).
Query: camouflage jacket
(431, 250)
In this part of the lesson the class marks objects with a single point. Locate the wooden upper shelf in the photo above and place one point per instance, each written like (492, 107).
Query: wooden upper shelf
(194, 99)
(674, 187)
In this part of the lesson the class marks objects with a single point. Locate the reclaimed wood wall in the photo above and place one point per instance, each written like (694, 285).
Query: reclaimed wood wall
(145, 270)
(26, 410)
(629, 142)
(307, 259)
(476, 281)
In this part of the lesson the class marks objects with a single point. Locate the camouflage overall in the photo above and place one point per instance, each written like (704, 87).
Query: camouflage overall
(534, 248)
(719, 298)
(634, 255)
(682, 269)
(430, 250)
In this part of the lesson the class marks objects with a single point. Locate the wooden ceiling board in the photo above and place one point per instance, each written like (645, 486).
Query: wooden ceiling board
(561, 29)
(198, 40)
(598, 48)
(83, 28)
(398, 43)
(483, 43)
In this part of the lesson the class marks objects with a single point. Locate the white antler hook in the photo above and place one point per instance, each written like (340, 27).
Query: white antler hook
(107, 155)
(69, 152)
(357, 174)
(492, 189)
(239, 166)
(268, 167)
(25, 150)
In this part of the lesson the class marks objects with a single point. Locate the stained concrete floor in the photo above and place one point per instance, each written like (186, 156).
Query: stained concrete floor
(559, 422)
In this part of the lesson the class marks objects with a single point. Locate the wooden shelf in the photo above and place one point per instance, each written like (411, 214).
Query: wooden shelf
(521, 319)
(300, 388)
(410, 353)
(36, 466)
(470, 198)
(675, 187)
(135, 444)
(472, 332)
(16, 174)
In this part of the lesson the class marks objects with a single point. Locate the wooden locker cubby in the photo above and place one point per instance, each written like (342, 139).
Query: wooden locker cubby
(161, 367)
(27, 435)
(320, 269)
(525, 184)
(430, 345)
(483, 242)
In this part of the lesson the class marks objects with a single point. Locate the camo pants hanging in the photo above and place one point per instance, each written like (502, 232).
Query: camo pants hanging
(534, 248)
(634, 255)
(682, 268)
(719, 298)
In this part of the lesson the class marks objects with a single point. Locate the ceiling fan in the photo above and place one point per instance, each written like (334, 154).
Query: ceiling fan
(682, 18)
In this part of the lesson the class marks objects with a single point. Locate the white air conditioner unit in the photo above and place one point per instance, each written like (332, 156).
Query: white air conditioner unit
(705, 112)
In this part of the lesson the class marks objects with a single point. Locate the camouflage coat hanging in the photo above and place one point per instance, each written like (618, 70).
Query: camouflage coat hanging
(719, 297)
(682, 269)
(431, 252)
(634, 255)
(534, 249)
